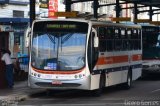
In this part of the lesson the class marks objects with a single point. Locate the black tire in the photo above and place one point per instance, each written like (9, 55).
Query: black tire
(128, 84)
(98, 92)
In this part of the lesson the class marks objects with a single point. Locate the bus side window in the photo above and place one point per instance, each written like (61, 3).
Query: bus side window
(139, 39)
(124, 39)
(102, 39)
(129, 34)
(110, 38)
(118, 40)
(135, 39)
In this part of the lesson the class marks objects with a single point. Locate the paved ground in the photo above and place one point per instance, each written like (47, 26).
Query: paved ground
(144, 92)
(20, 92)
(22, 95)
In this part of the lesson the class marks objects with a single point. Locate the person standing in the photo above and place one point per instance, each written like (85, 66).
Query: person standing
(9, 67)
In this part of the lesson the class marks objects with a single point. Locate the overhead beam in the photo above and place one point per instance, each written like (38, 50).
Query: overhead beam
(135, 12)
(137, 1)
(148, 10)
(150, 13)
(102, 5)
(156, 13)
(68, 5)
(80, 1)
(95, 8)
(133, 7)
(117, 8)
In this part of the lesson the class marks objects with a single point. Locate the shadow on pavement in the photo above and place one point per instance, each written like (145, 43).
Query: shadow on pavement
(151, 77)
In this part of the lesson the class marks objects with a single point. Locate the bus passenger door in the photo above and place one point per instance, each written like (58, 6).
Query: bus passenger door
(92, 56)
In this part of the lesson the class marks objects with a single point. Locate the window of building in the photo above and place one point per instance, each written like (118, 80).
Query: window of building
(19, 14)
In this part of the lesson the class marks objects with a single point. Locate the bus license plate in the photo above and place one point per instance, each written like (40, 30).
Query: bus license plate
(56, 82)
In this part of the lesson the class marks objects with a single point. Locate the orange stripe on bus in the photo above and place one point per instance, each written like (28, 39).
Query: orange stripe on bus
(112, 60)
(136, 57)
(57, 72)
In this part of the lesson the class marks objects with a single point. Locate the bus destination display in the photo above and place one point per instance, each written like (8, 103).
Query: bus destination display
(61, 26)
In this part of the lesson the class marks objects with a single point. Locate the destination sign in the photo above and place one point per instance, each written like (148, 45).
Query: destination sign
(63, 26)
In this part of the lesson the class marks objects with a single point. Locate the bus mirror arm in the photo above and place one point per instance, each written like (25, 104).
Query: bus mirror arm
(27, 37)
(96, 40)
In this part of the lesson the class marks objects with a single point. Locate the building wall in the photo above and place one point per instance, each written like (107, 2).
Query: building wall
(7, 11)
(16, 9)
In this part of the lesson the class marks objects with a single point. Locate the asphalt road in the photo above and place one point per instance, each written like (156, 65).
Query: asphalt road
(144, 92)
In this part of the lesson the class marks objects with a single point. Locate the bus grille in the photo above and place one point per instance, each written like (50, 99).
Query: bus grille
(47, 84)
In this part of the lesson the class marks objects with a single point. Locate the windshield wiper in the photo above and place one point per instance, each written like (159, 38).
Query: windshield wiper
(66, 38)
(52, 40)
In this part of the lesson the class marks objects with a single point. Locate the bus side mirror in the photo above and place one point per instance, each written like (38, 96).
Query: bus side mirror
(27, 37)
(96, 41)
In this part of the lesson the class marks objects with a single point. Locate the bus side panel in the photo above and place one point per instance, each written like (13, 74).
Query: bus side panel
(124, 76)
(120, 71)
(115, 78)
(95, 81)
(136, 64)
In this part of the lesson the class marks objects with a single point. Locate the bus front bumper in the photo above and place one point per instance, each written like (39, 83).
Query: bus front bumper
(84, 83)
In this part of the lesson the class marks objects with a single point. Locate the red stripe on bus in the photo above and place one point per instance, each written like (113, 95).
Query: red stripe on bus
(136, 57)
(112, 60)
(57, 72)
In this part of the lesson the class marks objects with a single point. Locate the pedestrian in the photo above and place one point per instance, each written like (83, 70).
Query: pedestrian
(9, 67)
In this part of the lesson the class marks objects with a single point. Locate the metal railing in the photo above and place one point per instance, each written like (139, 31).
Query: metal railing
(20, 68)
(21, 63)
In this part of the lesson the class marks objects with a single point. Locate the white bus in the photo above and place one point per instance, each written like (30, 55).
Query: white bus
(83, 54)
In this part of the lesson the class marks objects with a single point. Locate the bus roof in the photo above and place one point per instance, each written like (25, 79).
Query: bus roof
(93, 22)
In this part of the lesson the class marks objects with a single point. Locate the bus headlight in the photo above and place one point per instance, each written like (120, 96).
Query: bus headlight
(35, 74)
(75, 76)
(80, 75)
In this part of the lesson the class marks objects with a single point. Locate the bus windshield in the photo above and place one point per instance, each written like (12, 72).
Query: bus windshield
(151, 53)
(61, 48)
(151, 40)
